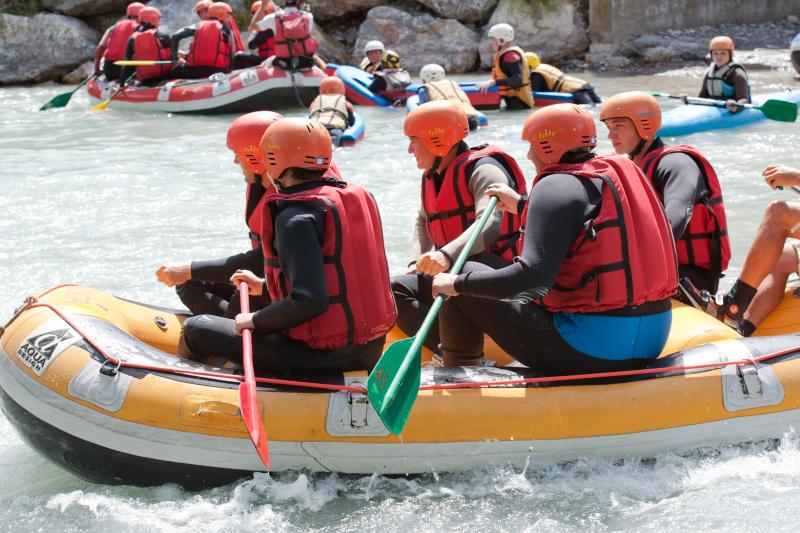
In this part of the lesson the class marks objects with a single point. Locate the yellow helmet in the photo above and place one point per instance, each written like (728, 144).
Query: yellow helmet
(390, 59)
(533, 60)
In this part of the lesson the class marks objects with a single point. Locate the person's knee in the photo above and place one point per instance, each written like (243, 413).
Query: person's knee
(780, 215)
(197, 331)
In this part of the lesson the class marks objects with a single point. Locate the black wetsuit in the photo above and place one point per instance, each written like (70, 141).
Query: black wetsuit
(299, 231)
(513, 72)
(183, 70)
(583, 96)
(245, 60)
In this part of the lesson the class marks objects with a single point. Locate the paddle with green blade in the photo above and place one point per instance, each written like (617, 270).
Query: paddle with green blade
(63, 99)
(393, 384)
(104, 104)
(779, 110)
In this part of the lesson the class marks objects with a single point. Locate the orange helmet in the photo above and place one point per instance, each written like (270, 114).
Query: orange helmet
(244, 138)
(150, 15)
(439, 125)
(558, 129)
(256, 6)
(219, 11)
(202, 5)
(639, 107)
(133, 9)
(331, 85)
(721, 42)
(296, 143)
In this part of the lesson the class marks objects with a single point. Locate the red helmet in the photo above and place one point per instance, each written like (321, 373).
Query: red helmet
(439, 125)
(244, 138)
(150, 15)
(558, 129)
(219, 11)
(133, 9)
(639, 107)
(296, 143)
(721, 42)
(331, 85)
(202, 5)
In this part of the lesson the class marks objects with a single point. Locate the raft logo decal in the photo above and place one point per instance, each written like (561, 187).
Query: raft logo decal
(46, 343)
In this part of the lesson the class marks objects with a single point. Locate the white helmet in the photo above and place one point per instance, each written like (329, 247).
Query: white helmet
(502, 32)
(372, 46)
(431, 72)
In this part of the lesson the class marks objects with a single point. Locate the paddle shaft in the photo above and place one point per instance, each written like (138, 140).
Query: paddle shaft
(67, 95)
(142, 62)
(104, 104)
(419, 338)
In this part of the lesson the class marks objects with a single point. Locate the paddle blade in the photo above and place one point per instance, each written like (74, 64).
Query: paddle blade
(252, 419)
(394, 409)
(57, 101)
(101, 106)
(779, 110)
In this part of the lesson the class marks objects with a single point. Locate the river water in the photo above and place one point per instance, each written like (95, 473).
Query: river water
(103, 198)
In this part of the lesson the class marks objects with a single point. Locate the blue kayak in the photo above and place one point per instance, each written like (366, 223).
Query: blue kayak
(413, 103)
(693, 118)
(354, 133)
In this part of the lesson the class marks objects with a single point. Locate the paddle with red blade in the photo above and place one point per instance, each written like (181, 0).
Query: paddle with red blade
(248, 398)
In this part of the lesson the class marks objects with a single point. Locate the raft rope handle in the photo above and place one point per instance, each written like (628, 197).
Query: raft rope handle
(32, 303)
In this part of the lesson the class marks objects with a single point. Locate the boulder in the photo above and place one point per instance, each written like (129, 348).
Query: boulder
(662, 49)
(331, 10)
(554, 30)
(80, 73)
(43, 47)
(463, 10)
(85, 8)
(330, 49)
(175, 14)
(420, 39)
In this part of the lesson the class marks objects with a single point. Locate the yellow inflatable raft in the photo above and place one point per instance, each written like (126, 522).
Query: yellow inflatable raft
(92, 382)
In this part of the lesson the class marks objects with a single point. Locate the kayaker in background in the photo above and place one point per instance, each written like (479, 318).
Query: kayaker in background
(212, 49)
(263, 42)
(591, 289)
(391, 80)
(509, 69)
(436, 87)
(293, 28)
(725, 79)
(201, 8)
(112, 46)
(204, 287)
(547, 78)
(373, 51)
(331, 109)
(325, 264)
(771, 260)
(454, 183)
(685, 182)
(148, 44)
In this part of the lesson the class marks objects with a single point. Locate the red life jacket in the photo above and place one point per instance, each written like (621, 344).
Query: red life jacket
(361, 303)
(293, 35)
(452, 210)
(118, 40)
(147, 46)
(267, 48)
(254, 209)
(705, 241)
(624, 257)
(210, 47)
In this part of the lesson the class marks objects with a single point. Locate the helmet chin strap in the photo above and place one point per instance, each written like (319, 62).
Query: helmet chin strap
(639, 147)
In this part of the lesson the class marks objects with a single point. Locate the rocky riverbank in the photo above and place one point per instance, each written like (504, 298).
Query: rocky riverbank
(45, 40)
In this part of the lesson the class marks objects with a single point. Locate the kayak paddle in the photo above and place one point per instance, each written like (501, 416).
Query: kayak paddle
(63, 99)
(393, 384)
(248, 398)
(142, 63)
(773, 109)
(103, 105)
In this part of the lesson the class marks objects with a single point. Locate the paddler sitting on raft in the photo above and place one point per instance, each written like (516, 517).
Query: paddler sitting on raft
(148, 44)
(725, 79)
(591, 289)
(331, 109)
(771, 260)
(325, 266)
(684, 181)
(510, 70)
(295, 44)
(454, 183)
(373, 51)
(263, 42)
(391, 80)
(212, 49)
(436, 87)
(112, 46)
(547, 78)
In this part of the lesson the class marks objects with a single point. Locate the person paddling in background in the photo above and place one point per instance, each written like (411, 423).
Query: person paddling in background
(112, 46)
(685, 182)
(770, 261)
(454, 181)
(725, 79)
(263, 42)
(204, 287)
(201, 8)
(510, 70)
(436, 87)
(295, 44)
(325, 265)
(148, 44)
(331, 109)
(547, 78)
(391, 80)
(373, 51)
(591, 289)
(212, 48)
